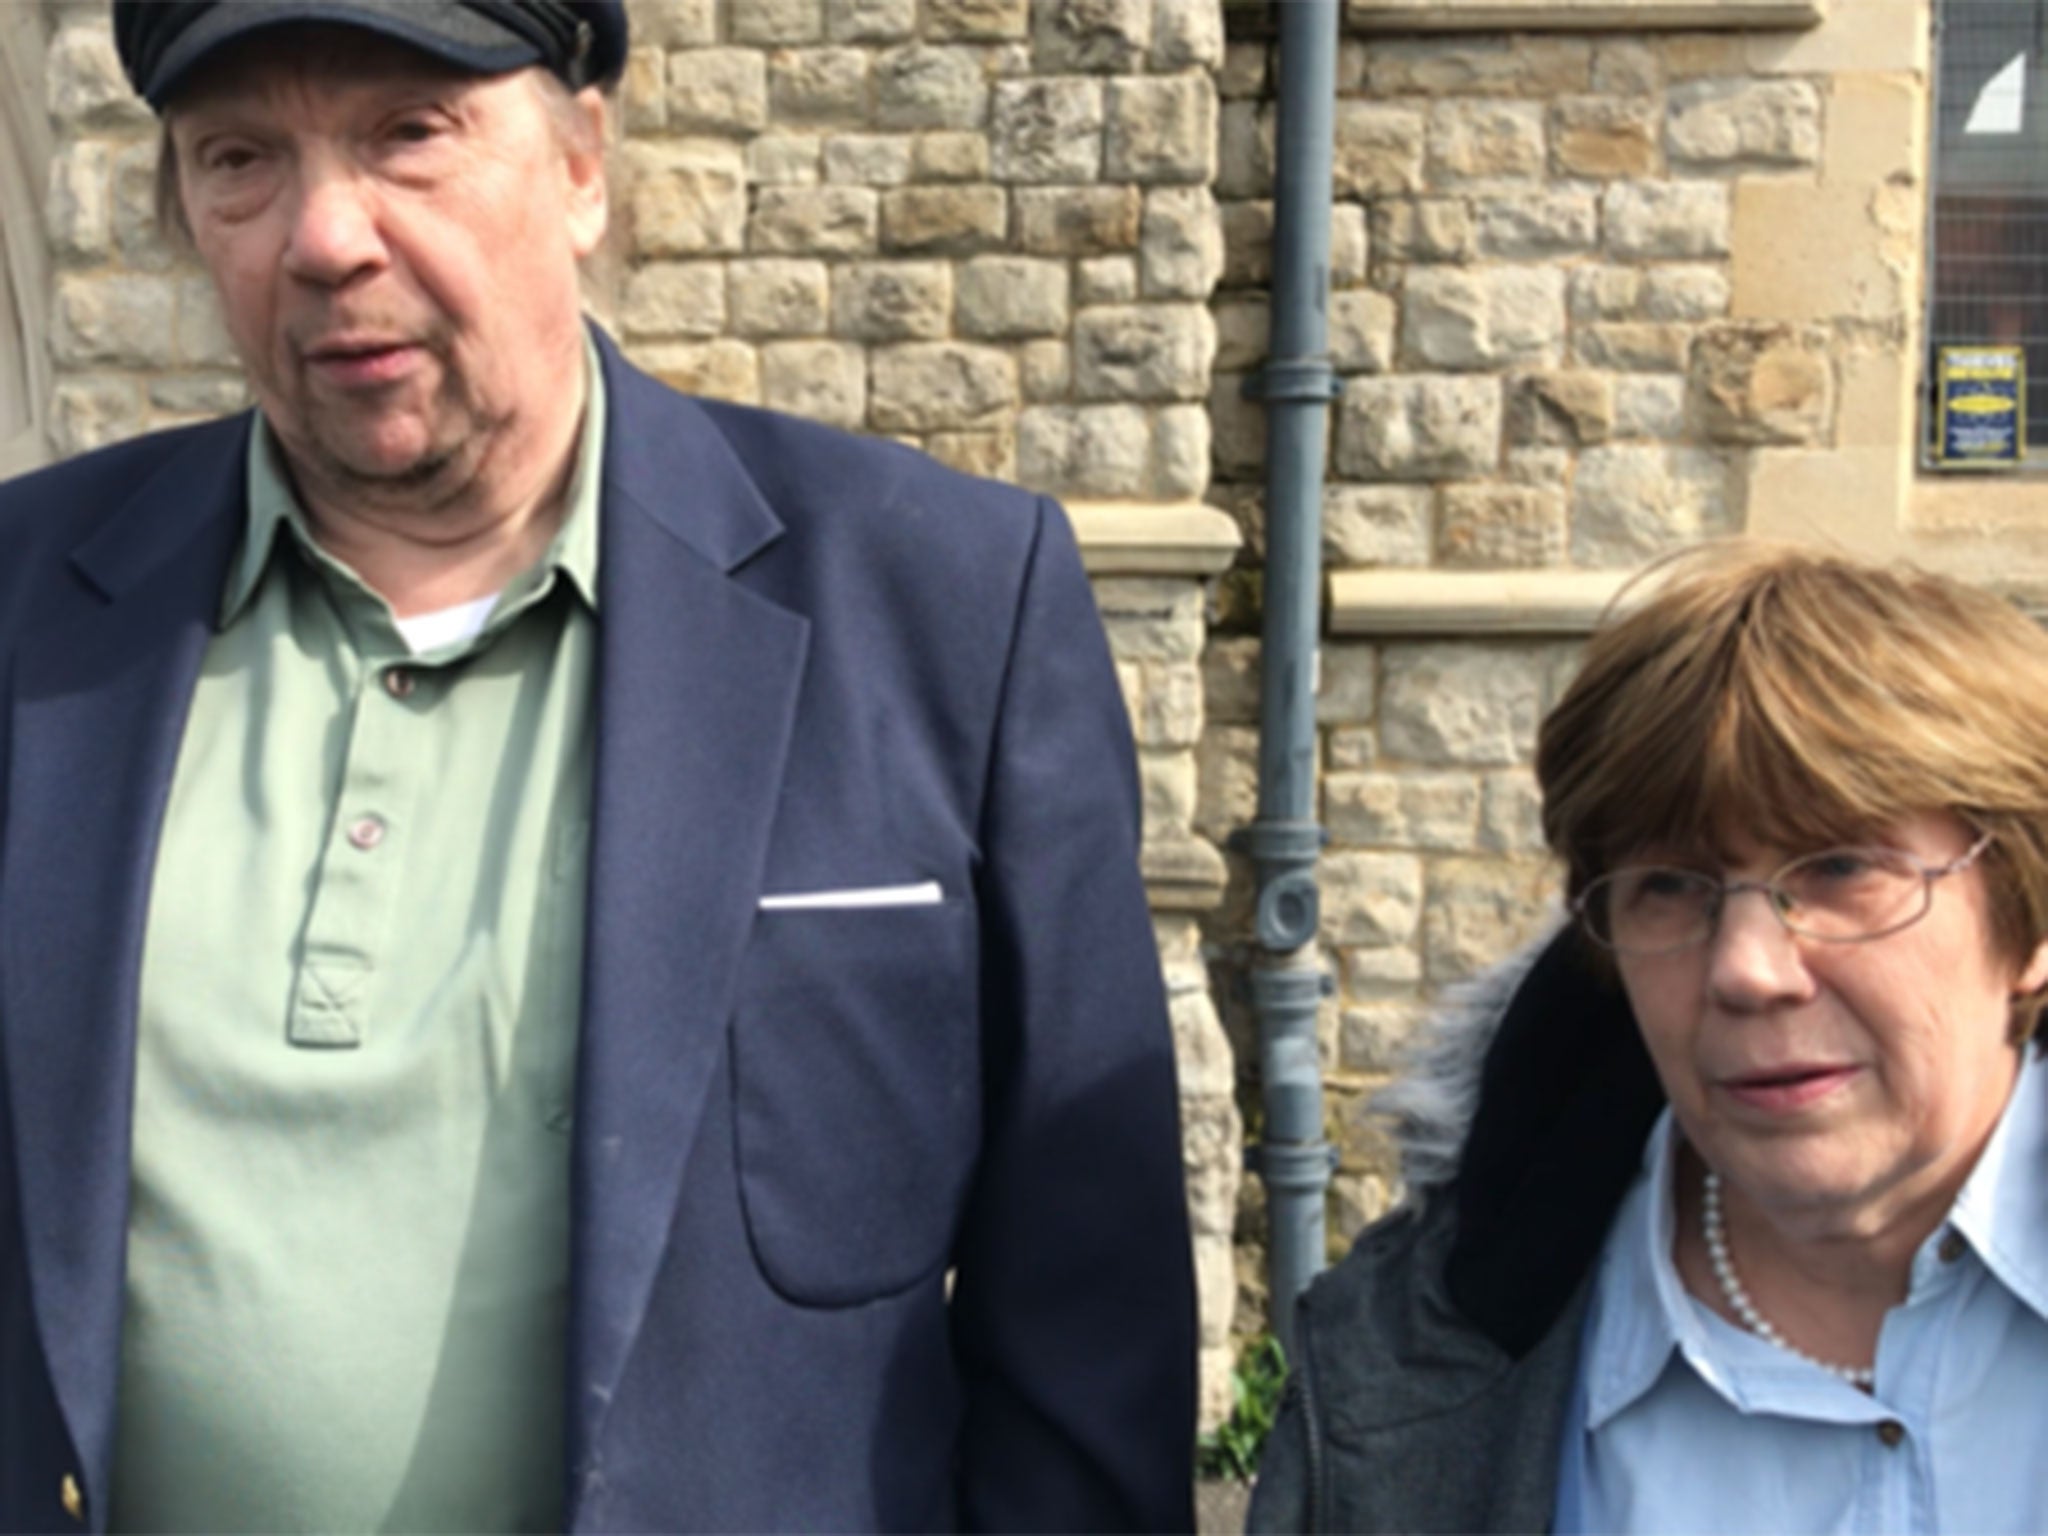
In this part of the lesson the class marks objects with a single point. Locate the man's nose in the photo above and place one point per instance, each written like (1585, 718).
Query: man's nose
(1753, 959)
(334, 231)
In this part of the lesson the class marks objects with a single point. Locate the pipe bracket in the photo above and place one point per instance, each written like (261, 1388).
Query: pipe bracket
(1293, 378)
(1305, 1166)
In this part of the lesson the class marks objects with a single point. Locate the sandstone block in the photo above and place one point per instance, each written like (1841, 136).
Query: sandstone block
(1151, 618)
(1379, 150)
(1684, 292)
(976, 21)
(1181, 243)
(1091, 36)
(1227, 773)
(723, 369)
(778, 21)
(1666, 219)
(203, 340)
(675, 23)
(1245, 69)
(1496, 526)
(1484, 141)
(85, 83)
(197, 397)
(1631, 503)
(1424, 229)
(1161, 128)
(1402, 810)
(824, 380)
(1743, 124)
(1462, 66)
(1348, 691)
(1045, 370)
(1348, 246)
(674, 298)
(1168, 716)
(808, 86)
(88, 413)
(1186, 34)
(1361, 331)
(643, 91)
(1570, 408)
(816, 221)
(1481, 911)
(1078, 221)
(1521, 226)
(950, 155)
(1603, 137)
(1374, 1036)
(1238, 427)
(687, 198)
(785, 160)
(1012, 296)
(870, 21)
(924, 87)
(718, 90)
(1482, 317)
(1603, 293)
(1143, 352)
(892, 300)
(1352, 746)
(1376, 525)
(945, 218)
(1370, 899)
(1510, 812)
(1106, 280)
(1244, 149)
(777, 296)
(138, 238)
(868, 159)
(1180, 453)
(1635, 346)
(992, 455)
(1247, 245)
(78, 207)
(1084, 450)
(1627, 68)
(1419, 427)
(1650, 405)
(1243, 326)
(924, 386)
(1047, 130)
(1758, 382)
(1463, 703)
(114, 318)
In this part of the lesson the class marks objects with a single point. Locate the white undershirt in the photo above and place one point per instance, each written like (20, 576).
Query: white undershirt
(425, 632)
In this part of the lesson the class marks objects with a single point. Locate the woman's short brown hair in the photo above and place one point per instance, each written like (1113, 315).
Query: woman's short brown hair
(1800, 699)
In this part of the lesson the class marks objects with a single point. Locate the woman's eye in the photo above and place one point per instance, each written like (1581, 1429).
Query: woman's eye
(1836, 864)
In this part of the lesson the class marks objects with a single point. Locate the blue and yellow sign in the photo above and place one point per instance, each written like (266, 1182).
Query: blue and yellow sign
(1983, 392)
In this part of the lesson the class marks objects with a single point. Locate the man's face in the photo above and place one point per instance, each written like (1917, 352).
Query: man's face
(395, 246)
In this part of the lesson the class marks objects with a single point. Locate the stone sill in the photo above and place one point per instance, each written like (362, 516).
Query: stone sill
(1535, 603)
(1577, 15)
(1130, 538)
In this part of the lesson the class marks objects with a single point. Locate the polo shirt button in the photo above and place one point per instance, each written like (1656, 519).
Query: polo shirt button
(399, 682)
(1891, 1432)
(366, 832)
(1952, 1248)
(72, 1499)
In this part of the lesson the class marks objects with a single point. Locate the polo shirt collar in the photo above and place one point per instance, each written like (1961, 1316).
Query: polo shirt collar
(273, 505)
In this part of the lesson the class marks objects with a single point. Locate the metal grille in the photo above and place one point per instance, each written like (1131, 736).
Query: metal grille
(1988, 259)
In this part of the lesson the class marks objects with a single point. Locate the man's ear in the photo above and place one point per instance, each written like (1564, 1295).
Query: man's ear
(584, 160)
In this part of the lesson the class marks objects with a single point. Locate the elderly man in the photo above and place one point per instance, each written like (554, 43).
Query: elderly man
(569, 956)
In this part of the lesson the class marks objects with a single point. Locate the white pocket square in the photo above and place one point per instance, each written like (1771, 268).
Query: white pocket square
(923, 894)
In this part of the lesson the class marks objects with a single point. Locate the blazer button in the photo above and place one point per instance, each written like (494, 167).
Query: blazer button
(73, 1500)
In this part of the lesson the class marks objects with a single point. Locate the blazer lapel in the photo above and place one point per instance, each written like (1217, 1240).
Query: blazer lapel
(98, 699)
(697, 693)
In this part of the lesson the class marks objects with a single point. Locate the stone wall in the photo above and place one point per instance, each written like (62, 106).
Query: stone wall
(1552, 366)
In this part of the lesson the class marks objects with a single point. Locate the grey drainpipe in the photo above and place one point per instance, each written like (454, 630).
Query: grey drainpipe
(1297, 384)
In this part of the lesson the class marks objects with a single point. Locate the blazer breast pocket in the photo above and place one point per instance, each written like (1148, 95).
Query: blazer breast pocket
(857, 1087)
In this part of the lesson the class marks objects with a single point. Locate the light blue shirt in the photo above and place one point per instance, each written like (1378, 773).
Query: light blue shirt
(1685, 1422)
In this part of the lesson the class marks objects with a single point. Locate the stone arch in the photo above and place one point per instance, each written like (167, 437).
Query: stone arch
(24, 249)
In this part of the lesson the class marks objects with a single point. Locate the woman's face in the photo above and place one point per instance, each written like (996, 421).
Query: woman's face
(1846, 1089)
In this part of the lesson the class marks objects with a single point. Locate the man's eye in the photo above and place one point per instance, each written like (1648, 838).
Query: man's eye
(226, 159)
(414, 130)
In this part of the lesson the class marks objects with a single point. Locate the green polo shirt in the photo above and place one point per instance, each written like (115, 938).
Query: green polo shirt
(348, 1245)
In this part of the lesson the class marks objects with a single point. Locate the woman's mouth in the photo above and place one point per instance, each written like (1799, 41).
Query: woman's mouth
(1782, 1090)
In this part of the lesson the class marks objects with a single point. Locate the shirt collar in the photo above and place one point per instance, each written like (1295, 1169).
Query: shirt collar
(273, 506)
(2003, 1209)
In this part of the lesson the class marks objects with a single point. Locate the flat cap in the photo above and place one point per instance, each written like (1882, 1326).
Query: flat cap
(582, 41)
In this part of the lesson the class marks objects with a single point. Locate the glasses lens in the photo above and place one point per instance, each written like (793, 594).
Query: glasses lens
(1647, 910)
(1851, 893)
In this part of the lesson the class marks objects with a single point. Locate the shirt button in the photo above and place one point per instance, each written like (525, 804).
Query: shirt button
(72, 1499)
(399, 682)
(1952, 1248)
(1891, 1432)
(366, 832)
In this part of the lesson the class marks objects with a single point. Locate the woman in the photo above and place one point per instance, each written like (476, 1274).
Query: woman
(1728, 1209)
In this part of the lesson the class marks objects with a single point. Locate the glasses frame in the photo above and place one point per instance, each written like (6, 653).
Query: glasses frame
(1776, 898)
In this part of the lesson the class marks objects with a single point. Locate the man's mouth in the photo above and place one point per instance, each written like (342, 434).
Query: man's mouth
(356, 364)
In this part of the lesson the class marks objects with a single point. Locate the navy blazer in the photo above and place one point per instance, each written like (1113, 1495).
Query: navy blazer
(877, 1215)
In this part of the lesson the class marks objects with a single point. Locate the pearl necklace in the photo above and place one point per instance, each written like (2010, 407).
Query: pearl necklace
(1862, 1377)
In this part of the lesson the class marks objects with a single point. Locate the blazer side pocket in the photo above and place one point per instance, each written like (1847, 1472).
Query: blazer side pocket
(857, 1095)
